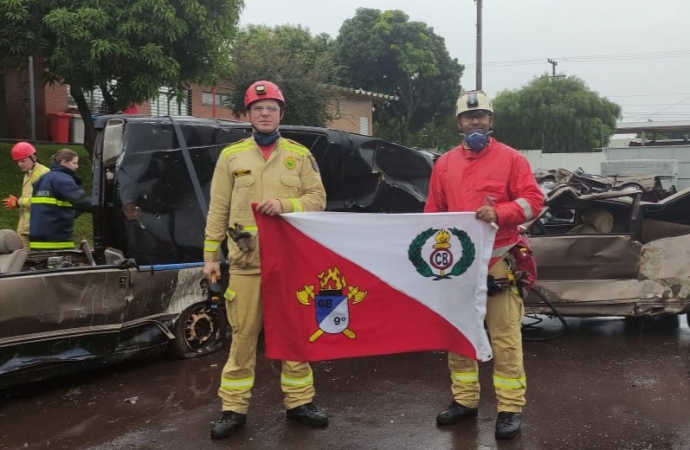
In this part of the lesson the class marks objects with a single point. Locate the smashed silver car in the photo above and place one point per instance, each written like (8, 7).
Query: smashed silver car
(611, 254)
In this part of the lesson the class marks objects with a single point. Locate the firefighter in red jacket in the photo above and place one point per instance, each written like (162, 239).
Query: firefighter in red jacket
(495, 181)
(279, 175)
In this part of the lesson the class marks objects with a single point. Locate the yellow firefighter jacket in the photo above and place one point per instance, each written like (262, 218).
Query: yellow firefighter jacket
(242, 177)
(24, 202)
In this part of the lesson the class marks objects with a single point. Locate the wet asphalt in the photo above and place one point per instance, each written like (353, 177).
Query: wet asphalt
(606, 384)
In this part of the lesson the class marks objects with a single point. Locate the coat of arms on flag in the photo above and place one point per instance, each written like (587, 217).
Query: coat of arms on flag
(338, 285)
(442, 255)
(331, 303)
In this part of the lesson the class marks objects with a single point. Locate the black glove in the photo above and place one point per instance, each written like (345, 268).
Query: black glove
(492, 286)
(242, 238)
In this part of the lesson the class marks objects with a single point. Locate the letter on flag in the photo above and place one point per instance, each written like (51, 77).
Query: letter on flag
(338, 285)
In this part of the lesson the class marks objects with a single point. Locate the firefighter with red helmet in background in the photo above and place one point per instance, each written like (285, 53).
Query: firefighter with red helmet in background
(493, 180)
(281, 176)
(24, 154)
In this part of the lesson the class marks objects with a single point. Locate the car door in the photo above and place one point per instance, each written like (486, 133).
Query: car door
(581, 269)
(51, 317)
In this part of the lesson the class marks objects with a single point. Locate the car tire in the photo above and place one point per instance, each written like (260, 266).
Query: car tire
(198, 331)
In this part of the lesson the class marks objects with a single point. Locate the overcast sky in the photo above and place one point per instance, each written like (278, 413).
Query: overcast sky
(634, 52)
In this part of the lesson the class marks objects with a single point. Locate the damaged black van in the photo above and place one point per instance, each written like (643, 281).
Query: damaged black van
(141, 290)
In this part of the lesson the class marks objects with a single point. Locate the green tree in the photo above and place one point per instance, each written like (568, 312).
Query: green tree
(293, 59)
(18, 32)
(557, 115)
(387, 53)
(439, 134)
(127, 49)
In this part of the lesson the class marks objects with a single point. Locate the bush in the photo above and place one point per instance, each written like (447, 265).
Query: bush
(11, 184)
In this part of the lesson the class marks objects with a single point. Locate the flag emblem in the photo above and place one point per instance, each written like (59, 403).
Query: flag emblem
(331, 303)
(441, 255)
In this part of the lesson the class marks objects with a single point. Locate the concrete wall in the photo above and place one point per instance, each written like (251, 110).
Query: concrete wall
(680, 153)
(590, 162)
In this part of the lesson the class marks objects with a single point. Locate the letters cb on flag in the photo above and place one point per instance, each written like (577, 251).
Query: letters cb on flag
(339, 285)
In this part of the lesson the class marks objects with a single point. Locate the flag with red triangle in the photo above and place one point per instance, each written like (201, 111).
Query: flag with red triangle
(340, 285)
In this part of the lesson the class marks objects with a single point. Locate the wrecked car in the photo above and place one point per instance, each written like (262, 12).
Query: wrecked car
(141, 289)
(611, 254)
(653, 188)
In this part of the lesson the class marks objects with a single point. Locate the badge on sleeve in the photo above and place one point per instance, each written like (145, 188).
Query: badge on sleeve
(314, 165)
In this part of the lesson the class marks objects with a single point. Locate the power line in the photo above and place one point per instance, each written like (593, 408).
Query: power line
(642, 104)
(590, 58)
(650, 95)
(672, 105)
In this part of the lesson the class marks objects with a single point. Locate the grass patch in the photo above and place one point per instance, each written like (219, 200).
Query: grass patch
(11, 184)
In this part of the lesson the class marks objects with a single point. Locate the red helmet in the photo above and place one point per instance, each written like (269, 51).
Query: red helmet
(263, 90)
(22, 150)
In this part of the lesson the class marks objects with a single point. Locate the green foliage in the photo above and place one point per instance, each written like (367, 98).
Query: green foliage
(299, 63)
(128, 49)
(557, 115)
(17, 32)
(439, 134)
(11, 184)
(387, 53)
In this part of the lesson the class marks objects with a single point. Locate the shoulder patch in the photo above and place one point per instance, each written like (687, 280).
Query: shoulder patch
(314, 165)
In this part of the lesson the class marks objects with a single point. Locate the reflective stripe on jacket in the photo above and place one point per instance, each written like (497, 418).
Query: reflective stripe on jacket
(242, 177)
(498, 176)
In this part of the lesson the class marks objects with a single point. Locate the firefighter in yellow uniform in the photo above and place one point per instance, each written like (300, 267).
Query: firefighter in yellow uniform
(24, 154)
(280, 176)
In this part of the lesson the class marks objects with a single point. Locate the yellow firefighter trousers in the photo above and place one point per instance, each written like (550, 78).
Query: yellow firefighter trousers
(504, 313)
(246, 319)
(25, 240)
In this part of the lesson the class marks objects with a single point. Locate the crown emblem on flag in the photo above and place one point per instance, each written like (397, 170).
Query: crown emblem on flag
(441, 260)
(331, 303)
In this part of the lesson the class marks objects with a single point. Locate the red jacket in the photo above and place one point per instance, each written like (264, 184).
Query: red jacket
(498, 176)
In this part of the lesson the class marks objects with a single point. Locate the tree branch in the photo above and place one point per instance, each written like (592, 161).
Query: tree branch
(109, 99)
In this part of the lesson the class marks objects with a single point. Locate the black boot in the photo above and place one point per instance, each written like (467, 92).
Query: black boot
(454, 414)
(228, 423)
(308, 414)
(508, 425)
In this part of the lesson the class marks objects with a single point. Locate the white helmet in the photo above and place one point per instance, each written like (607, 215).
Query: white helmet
(472, 101)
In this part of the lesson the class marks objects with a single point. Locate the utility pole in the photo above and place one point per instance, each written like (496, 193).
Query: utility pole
(479, 44)
(553, 63)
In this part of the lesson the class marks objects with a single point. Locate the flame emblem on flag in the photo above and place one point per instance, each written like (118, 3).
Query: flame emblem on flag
(442, 256)
(331, 303)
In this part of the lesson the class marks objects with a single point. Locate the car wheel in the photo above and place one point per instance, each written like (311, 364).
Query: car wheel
(198, 331)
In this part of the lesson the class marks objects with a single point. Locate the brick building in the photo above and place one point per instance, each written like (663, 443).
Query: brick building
(353, 111)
